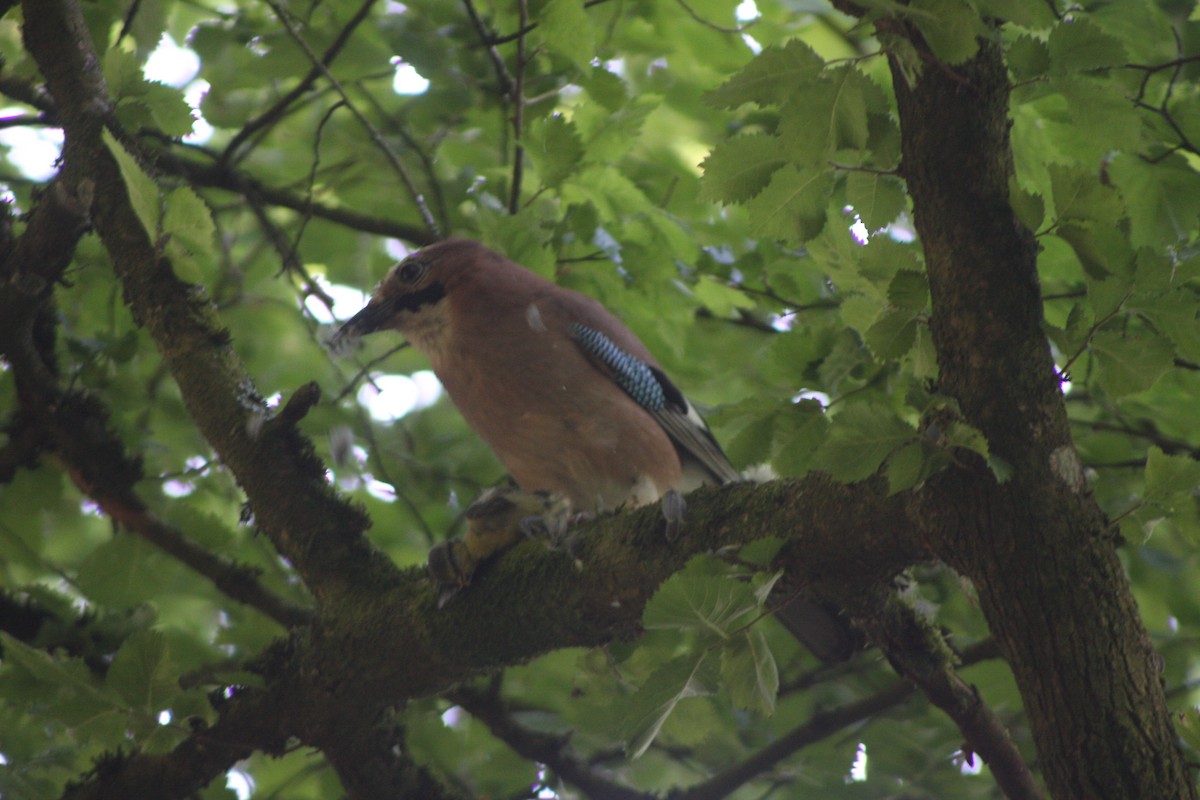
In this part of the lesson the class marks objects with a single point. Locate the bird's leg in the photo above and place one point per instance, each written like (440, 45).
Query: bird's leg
(496, 520)
(673, 509)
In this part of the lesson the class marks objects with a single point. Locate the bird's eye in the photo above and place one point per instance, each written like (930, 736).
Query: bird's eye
(411, 271)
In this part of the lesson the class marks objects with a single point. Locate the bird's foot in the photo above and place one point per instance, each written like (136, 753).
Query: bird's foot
(673, 509)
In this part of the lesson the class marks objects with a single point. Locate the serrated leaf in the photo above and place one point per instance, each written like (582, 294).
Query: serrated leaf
(188, 224)
(968, 437)
(924, 354)
(752, 444)
(1106, 296)
(711, 604)
(1080, 194)
(904, 467)
(1163, 199)
(719, 298)
(739, 168)
(142, 672)
(1028, 58)
(693, 675)
(951, 28)
(749, 670)
(877, 199)
(1026, 13)
(564, 28)
(761, 552)
(909, 290)
(792, 207)
(142, 190)
(1078, 44)
(892, 335)
(770, 78)
(1187, 722)
(556, 149)
(803, 432)
(44, 668)
(829, 113)
(168, 110)
(1169, 475)
(1130, 364)
(605, 88)
(1103, 250)
(188, 220)
(862, 436)
(1174, 315)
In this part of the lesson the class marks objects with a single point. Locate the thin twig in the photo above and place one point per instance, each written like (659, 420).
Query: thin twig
(377, 138)
(277, 110)
(518, 118)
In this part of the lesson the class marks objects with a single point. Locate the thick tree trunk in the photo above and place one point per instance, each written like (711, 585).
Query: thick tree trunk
(1037, 547)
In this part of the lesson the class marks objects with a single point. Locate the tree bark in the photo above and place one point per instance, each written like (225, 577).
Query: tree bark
(1037, 547)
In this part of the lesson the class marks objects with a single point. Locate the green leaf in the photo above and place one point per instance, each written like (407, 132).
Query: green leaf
(696, 599)
(909, 290)
(1026, 13)
(951, 27)
(169, 112)
(770, 78)
(605, 88)
(905, 467)
(142, 672)
(792, 207)
(1080, 194)
(892, 335)
(564, 28)
(1130, 364)
(719, 298)
(968, 437)
(924, 355)
(692, 675)
(1174, 315)
(1028, 58)
(1169, 476)
(1077, 44)
(555, 148)
(829, 113)
(188, 222)
(802, 431)
(739, 168)
(862, 436)
(748, 668)
(877, 199)
(143, 191)
(1163, 199)
(44, 668)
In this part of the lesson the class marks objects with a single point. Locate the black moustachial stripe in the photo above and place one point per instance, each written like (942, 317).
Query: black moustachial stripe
(414, 301)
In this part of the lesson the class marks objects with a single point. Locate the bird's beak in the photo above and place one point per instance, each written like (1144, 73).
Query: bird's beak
(373, 317)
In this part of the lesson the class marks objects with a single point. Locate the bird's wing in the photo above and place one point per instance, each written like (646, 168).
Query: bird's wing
(652, 390)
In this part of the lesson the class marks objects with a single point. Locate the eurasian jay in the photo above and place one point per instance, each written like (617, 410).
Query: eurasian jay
(567, 397)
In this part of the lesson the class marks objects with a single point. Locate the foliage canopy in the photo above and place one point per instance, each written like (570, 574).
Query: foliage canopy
(824, 222)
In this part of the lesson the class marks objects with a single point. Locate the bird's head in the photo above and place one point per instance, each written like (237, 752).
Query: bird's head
(412, 296)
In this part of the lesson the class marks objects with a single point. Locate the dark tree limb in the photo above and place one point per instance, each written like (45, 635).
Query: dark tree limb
(552, 750)
(1037, 548)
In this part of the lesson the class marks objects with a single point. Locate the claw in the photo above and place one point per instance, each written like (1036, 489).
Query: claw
(673, 509)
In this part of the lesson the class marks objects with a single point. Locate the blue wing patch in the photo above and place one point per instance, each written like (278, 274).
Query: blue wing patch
(635, 377)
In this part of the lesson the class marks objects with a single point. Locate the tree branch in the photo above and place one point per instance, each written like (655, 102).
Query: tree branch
(545, 748)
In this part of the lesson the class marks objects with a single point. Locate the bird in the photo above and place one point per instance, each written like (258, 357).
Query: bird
(563, 392)
(499, 518)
